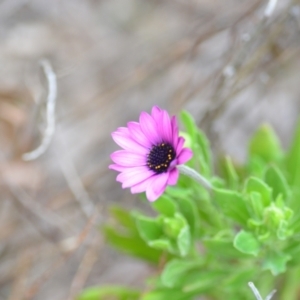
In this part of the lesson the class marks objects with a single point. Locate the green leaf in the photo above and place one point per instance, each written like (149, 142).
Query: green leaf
(122, 216)
(246, 242)
(131, 244)
(239, 277)
(228, 251)
(254, 184)
(165, 205)
(283, 231)
(275, 179)
(164, 294)
(276, 262)
(184, 241)
(256, 205)
(176, 270)
(189, 210)
(109, 292)
(293, 249)
(265, 144)
(274, 215)
(162, 244)
(232, 205)
(177, 228)
(199, 143)
(172, 226)
(205, 153)
(148, 228)
(256, 166)
(189, 123)
(293, 158)
(191, 276)
(201, 282)
(124, 235)
(230, 173)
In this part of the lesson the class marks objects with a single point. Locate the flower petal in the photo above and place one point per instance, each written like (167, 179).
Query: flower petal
(124, 140)
(157, 186)
(180, 143)
(117, 168)
(128, 159)
(133, 176)
(165, 127)
(155, 112)
(173, 176)
(142, 186)
(138, 135)
(185, 155)
(150, 128)
(174, 126)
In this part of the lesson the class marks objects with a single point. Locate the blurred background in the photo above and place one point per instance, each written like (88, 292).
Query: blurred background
(233, 64)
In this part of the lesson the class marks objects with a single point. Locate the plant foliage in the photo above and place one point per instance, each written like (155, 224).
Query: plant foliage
(213, 243)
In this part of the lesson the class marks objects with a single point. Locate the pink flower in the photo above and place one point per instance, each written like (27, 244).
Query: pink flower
(152, 150)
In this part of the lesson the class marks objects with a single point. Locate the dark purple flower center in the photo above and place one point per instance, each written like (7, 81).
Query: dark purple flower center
(160, 157)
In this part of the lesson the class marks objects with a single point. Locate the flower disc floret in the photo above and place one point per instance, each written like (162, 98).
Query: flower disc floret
(152, 148)
(160, 157)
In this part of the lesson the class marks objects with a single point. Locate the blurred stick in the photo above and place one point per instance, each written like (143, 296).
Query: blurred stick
(69, 247)
(74, 181)
(257, 294)
(53, 225)
(85, 267)
(51, 99)
(270, 8)
(21, 274)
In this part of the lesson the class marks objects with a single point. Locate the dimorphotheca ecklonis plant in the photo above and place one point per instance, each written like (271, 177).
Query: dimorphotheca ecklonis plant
(215, 230)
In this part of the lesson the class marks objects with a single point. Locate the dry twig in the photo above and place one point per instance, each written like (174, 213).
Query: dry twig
(51, 99)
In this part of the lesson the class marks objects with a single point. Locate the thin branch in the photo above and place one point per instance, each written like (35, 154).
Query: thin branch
(51, 101)
(269, 297)
(270, 8)
(257, 294)
(255, 291)
(74, 182)
(84, 269)
(50, 223)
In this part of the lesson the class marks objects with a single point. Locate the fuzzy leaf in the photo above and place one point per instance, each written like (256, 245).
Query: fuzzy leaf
(275, 179)
(149, 229)
(246, 242)
(131, 244)
(184, 241)
(162, 244)
(165, 205)
(231, 175)
(176, 270)
(276, 262)
(293, 158)
(265, 144)
(200, 144)
(256, 204)
(189, 210)
(228, 250)
(164, 294)
(257, 185)
(109, 292)
(232, 205)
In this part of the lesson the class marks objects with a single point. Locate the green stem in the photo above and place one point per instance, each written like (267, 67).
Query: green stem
(290, 288)
(185, 170)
